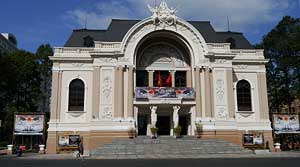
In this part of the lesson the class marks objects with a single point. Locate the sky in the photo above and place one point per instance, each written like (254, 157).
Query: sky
(36, 22)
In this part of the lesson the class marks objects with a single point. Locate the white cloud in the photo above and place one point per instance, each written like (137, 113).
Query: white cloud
(245, 15)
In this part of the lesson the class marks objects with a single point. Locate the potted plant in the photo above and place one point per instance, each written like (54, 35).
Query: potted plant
(131, 132)
(199, 129)
(154, 130)
(177, 131)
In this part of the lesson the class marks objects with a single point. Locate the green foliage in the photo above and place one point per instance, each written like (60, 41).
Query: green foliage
(282, 48)
(153, 129)
(25, 81)
(199, 127)
(177, 130)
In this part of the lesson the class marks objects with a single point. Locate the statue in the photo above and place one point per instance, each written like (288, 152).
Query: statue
(163, 14)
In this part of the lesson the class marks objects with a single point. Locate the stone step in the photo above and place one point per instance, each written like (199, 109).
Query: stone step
(167, 146)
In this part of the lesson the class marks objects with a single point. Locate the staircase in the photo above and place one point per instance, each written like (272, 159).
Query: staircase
(167, 147)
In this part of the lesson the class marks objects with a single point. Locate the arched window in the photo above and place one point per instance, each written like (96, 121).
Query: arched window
(76, 95)
(232, 43)
(88, 41)
(244, 96)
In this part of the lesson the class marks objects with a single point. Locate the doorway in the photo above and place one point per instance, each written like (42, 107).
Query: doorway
(164, 125)
(142, 124)
(184, 121)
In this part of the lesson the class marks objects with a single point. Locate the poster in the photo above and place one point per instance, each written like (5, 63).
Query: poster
(286, 123)
(248, 139)
(29, 124)
(258, 139)
(254, 139)
(74, 140)
(63, 141)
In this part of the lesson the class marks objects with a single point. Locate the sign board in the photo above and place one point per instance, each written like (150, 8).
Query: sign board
(29, 124)
(71, 140)
(286, 123)
(252, 139)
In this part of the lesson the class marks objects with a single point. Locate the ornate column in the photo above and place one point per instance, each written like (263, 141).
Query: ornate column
(96, 93)
(262, 94)
(130, 92)
(175, 115)
(173, 78)
(231, 105)
(119, 92)
(150, 78)
(153, 115)
(198, 93)
(188, 78)
(208, 87)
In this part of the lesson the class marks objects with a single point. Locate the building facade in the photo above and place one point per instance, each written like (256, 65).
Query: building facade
(8, 43)
(161, 71)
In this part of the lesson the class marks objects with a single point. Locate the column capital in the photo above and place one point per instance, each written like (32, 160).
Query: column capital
(176, 108)
(153, 108)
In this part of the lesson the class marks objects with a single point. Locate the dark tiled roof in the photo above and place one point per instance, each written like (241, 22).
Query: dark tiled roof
(118, 28)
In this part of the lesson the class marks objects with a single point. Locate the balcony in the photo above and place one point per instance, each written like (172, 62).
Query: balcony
(184, 93)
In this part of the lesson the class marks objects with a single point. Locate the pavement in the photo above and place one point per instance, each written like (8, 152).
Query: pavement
(33, 156)
(232, 162)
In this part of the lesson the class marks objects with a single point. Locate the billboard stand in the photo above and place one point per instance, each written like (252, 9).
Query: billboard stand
(27, 125)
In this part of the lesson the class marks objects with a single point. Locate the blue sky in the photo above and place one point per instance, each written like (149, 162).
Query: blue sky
(36, 22)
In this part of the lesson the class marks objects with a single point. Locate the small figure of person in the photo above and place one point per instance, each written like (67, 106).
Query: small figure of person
(18, 151)
(80, 148)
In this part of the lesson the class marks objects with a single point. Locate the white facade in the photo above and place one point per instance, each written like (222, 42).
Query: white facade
(108, 73)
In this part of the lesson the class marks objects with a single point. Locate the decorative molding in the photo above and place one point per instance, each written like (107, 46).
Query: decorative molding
(220, 61)
(221, 113)
(77, 64)
(220, 91)
(107, 113)
(163, 15)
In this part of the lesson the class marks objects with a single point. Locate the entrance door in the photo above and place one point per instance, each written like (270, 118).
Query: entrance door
(163, 125)
(142, 124)
(184, 123)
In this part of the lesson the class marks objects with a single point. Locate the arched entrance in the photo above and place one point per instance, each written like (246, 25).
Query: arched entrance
(163, 71)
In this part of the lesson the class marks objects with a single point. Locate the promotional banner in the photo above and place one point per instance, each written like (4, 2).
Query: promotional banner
(254, 138)
(286, 123)
(29, 124)
(164, 92)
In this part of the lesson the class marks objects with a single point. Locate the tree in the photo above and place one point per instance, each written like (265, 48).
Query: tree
(45, 67)
(283, 71)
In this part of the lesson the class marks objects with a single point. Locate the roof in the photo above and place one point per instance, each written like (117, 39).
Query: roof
(118, 28)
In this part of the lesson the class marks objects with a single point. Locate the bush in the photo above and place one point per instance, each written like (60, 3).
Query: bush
(177, 130)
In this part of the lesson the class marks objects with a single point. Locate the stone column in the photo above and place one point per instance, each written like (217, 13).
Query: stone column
(153, 115)
(198, 92)
(150, 78)
(56, 95)
(188, 78)
(96, 93)
(119, 92)
(231, 105)
(173, 78)
(262, 94)
(208, 112)
(175, 115)
(130, 92)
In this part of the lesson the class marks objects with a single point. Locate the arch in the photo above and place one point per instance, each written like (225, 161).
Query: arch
(244, 96)
(76, 96)
(183, 30)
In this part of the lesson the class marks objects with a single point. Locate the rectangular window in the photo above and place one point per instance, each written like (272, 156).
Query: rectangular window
(142, 78)
(180, 79)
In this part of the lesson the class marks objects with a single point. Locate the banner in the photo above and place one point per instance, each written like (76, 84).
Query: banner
(164, 92)
(286, 123)
(255, 138)
(29, 125)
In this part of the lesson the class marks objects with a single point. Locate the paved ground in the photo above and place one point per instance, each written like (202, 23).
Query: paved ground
(29, 156)
(244, 162)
